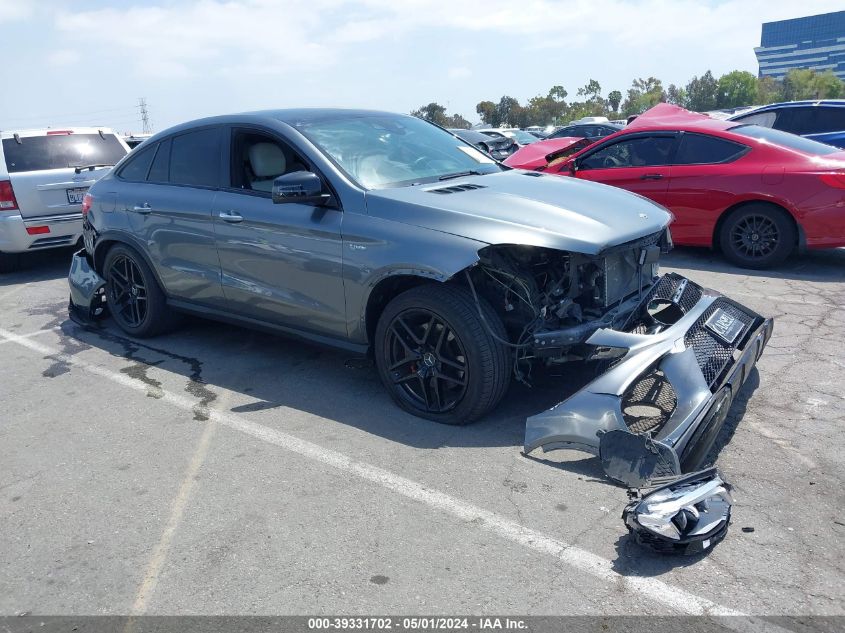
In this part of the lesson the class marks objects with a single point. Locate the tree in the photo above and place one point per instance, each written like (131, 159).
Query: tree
(433, 112)
(458, 122)
(614, 99)
(592, 91)
(558, 93)
(508, 111)
(769, 90)
(828, 86)
(737, 88)
(676, 96)
(701, 93)
(799, 84)
(488, 113)
(642, 95)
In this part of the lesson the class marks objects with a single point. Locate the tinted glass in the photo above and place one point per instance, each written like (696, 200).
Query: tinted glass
(161, 164)
(136, 168)
(195, 158)
(697, 149)
(567, 131)
(645, 151)
(784, 139)
(829, 119)
(60, 151)
(795, 120)
(764, 119)
(382, 150)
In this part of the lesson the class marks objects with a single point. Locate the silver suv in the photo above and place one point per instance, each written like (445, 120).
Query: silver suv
(44, 175)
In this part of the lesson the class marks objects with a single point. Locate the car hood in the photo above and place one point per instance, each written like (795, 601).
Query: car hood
(519, 207)
(536, 154)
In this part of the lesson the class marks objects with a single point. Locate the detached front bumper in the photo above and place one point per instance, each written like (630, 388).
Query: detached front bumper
(87, 290)
(669, 394)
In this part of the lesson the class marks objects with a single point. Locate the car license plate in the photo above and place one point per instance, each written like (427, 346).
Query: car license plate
(724, 326)
(75, 195)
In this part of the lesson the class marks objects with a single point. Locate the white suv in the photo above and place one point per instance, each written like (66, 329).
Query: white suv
(44, 175)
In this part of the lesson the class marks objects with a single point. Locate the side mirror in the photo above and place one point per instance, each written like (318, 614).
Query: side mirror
(303, 187)
(573, 167)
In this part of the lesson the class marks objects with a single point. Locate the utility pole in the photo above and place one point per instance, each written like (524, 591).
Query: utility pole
(145, 116)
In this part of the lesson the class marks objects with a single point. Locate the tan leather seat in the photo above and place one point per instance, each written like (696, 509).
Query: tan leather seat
(267, 161)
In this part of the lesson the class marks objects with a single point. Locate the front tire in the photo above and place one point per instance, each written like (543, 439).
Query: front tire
(437, 357)
(757, 236)
(134, 298)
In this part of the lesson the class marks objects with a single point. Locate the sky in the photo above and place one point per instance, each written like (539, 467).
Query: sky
(81, 63)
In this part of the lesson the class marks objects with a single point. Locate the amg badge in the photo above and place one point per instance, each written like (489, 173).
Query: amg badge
(724, 326)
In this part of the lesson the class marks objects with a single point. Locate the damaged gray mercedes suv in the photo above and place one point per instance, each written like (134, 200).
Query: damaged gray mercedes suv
(384, 234)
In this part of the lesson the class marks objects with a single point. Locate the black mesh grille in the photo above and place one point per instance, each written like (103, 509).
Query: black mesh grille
(712, 353)
(648, 403)
(668, 286)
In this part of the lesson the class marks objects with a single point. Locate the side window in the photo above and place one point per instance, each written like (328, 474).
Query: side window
(698, 149)
(763, 119)
(796, 120)
(644, 151)
(829, 119)
(136, 168)
(159, 172)
(258, 159)
(195, 158)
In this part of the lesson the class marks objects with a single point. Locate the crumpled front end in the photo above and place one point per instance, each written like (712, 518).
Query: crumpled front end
(87, 290)
(678, 363)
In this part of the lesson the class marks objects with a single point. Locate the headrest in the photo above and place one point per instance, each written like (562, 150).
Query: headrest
(267, 159)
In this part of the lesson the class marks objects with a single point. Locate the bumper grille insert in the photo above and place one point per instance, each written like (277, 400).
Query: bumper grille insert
(648, 403)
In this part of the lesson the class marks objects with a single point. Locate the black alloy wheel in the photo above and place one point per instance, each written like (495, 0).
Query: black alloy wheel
(755, 236)
(438, 357)
(427, 362)
(127, 292)
(758, 235)
(133, 295)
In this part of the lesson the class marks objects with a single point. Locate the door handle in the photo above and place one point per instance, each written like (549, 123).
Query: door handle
(651, 177)
(233, 217)
(144, 209)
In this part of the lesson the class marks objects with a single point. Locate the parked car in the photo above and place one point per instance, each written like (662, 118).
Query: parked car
(592, 131)
(498, 147)
(520, 137)
(134, 140)
(756, 193)
(44, 175)
(547, 153)
(384, 234)
(822, 121)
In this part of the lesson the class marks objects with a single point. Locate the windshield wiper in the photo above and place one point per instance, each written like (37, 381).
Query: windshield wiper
(460, 174)
(80, 168)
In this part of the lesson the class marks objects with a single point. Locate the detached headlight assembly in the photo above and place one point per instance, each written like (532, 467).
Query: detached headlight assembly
(687, 517)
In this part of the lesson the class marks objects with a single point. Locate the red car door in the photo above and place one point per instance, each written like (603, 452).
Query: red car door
(637, 162)
(704, 183)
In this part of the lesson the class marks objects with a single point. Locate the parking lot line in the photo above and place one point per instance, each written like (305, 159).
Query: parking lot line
(646, 587)
(31, 334)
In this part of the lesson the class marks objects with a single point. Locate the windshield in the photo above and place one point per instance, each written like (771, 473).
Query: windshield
(383, 150)
(523, 138)
(60, 151)
(785, 139)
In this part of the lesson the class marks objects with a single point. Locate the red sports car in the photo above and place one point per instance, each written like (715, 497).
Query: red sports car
(756, 193)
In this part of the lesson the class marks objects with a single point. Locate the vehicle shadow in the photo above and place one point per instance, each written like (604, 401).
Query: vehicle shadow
(821, 266)
(39, 266)
(284, 374)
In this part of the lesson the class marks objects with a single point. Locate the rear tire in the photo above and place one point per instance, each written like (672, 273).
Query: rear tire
(135, 300)
(9, 262)
(437, 357)
(757, 236)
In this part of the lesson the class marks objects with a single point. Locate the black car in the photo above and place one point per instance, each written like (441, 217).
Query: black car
(498, 148)
(592, 131)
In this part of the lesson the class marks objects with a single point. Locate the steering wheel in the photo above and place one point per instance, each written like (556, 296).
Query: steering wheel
(610, 161)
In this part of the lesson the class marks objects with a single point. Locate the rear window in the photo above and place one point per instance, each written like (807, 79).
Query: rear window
(785, 139)
(60, 151)
(830, 119)
(698, 149)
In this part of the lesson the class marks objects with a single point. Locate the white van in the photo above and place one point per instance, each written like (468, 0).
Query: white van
(44, 175)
